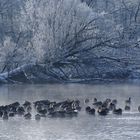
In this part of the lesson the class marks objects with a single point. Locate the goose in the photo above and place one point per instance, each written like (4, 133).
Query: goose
(98, 104)
(88, 108)
(43, 112)
(15, 104)
(95, 100)
(127, 108)
(114, 101)
(86, 100)
(37, 117)
(28, 116)
(102, 111)
(112, 106)
(20, 110)
(117, 111)
(128, 102)
(92, 111)
(26, 104)
(108, 100)
(11, 114)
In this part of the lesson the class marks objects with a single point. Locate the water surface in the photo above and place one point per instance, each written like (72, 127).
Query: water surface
(83, 127)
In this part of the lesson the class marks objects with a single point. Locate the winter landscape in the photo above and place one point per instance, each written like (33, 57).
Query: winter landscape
(69, 69)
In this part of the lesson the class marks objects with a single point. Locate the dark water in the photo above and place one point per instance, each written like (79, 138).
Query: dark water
(83, 127)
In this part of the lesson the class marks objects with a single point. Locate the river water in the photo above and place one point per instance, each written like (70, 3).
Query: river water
(83, 127)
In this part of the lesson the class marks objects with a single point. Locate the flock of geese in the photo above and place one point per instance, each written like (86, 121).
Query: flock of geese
(67, 108)
(103, 108)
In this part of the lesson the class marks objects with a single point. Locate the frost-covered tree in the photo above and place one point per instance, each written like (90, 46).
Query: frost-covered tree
(9, 13)
(60, 29)
(10, 35)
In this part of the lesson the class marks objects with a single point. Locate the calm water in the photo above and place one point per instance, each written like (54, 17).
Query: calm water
(83, 127)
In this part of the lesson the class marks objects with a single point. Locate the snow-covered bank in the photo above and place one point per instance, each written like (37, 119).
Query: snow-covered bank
(32, 73)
